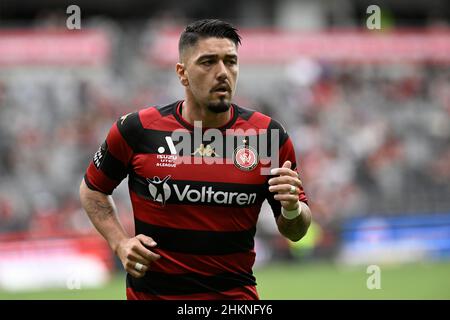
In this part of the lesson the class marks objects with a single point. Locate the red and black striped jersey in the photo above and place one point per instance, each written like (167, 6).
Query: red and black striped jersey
(202, 213)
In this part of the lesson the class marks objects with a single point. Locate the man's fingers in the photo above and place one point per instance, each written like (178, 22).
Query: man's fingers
(131, 266)
(283, 188)
(135, 273)
(284, 172)
(287, 164)
(133, 253)
(133, 258)
(148, 241)
(146, 254)
(142, 251)
(285, 180)
(286, 197)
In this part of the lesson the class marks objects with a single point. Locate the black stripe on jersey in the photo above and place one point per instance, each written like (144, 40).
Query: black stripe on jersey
(159, 283)
(112, 167)
(130, 127)
(168, 109)
(294, 166)
(282, 133)
(151, 140)
(90, 185)
(274, 204)
(202, 192)
(196, 241)
(244, 113)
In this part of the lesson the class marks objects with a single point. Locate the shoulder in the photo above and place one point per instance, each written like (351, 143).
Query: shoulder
(151, 114)
(260, 120)
(129, 124)
(134, 122)
(252, 117)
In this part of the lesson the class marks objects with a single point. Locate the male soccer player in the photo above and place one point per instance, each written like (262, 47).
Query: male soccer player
(195, 221)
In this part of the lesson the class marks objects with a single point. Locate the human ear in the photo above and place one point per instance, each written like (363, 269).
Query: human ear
(181, 72)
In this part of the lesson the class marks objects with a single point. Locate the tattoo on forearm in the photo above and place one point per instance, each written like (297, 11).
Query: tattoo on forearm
(99, 209)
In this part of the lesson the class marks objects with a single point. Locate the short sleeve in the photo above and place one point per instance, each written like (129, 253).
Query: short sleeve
(286, 152)
(110, 164)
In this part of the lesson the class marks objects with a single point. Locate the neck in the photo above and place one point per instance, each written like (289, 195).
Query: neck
(191, 112)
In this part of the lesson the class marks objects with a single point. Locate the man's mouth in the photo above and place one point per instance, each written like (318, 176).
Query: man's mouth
(222, 88)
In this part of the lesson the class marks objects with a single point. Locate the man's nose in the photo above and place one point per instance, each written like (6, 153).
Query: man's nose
(222, 72)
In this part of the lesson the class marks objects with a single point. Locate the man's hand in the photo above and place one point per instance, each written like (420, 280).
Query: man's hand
(284, 186)
(287, 186)
(132, 251)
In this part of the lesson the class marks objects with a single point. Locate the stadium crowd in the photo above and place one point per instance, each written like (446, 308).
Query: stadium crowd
(370, 138)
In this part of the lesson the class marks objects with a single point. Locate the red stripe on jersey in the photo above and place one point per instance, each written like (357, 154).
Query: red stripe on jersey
(259, 120)
(145, 166)
(117, 145)
(179, 263)
(149, 119)
(99, 180)
(243, 124)
(194, 217)
(149, 115)
(241, 293)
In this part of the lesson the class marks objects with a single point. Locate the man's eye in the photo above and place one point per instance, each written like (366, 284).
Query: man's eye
(232, 62)
(207, 63)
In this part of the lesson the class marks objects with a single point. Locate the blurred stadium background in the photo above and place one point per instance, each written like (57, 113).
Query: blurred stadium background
(368, 111)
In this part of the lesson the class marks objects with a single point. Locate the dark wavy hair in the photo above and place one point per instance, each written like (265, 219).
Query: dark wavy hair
(205, 29)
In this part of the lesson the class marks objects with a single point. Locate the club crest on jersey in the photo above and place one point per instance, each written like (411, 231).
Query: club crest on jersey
(245, 158)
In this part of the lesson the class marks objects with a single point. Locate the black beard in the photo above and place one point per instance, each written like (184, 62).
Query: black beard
(219, 107)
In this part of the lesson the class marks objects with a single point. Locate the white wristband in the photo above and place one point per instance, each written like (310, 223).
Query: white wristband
(292, 214)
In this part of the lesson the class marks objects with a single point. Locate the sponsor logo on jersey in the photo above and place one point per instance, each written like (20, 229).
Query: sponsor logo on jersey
(166, 160)
(207, 151)
(161, 191)
(123, 118)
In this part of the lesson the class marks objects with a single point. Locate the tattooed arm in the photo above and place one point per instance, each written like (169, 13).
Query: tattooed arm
(102, 212)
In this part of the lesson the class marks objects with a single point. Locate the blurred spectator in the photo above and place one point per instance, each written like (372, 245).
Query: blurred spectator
(370, 138)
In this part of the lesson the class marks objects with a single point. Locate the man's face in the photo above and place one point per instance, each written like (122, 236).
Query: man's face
(210, 71)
